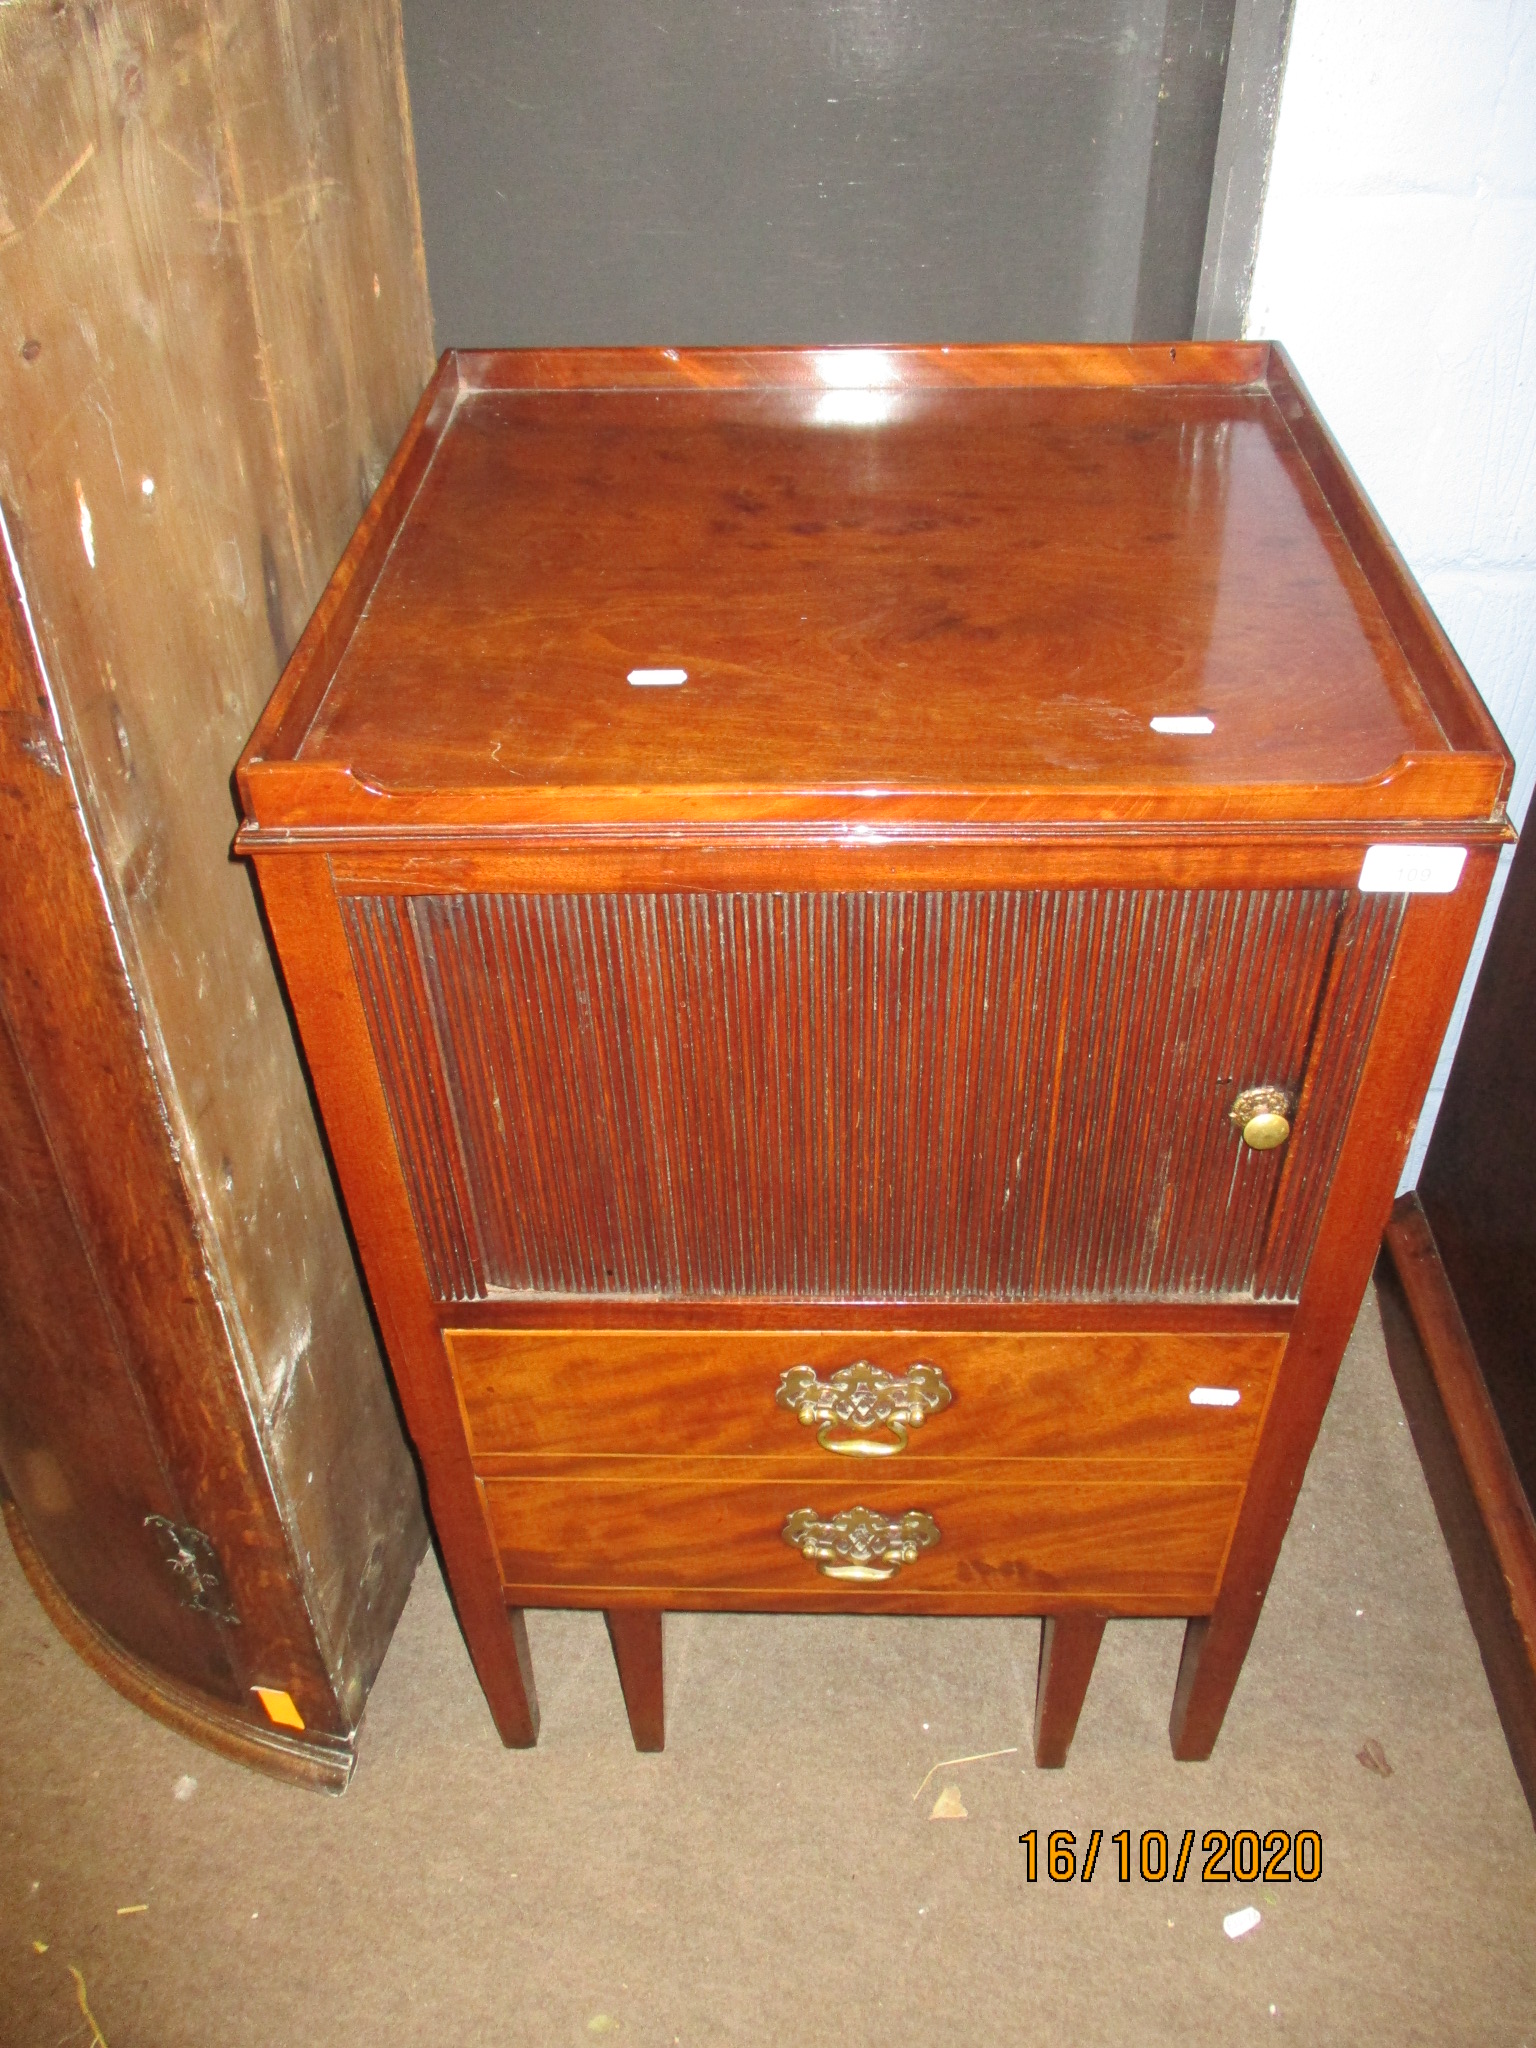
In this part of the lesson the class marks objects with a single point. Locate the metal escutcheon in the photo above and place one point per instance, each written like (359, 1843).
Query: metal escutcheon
(1263, 1115)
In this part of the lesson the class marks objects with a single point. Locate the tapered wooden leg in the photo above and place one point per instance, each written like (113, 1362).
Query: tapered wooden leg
(1212, 1658)
(505, 1671)
(635, 1633)
(1069, 1643)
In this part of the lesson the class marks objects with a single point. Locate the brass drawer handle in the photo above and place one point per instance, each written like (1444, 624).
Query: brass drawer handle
(863, 1397)
(858, 1543)
(1263, 1115)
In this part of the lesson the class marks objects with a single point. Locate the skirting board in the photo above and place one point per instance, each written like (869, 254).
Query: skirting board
(1484, 1513)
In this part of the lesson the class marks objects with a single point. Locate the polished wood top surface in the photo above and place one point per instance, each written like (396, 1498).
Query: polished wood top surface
(963, 582)
(951, 589)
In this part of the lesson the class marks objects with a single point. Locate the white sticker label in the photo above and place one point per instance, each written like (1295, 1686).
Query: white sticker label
(1412, 870)
(1184, 724)
(1215, 1397)
(657, 678)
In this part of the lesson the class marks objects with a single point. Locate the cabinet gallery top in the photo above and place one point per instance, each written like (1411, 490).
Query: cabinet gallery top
(870, 586)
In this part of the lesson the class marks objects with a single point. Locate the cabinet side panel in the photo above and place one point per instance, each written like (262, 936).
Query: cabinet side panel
(1002, 1095)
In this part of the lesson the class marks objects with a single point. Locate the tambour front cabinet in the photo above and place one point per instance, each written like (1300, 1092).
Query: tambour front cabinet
(870, 927)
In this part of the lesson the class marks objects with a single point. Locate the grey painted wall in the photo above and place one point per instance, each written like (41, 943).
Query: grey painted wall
(695, 171)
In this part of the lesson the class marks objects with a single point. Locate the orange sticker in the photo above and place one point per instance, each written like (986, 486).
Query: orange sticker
(280, 1708)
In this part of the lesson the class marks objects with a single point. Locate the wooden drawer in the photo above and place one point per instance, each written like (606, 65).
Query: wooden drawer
(1001, 1546)
(682, 1393)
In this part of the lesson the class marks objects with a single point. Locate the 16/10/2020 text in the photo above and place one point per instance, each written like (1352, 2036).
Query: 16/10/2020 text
(1245, 1854)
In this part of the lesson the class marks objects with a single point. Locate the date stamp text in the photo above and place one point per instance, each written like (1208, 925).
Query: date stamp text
(1243, 1855)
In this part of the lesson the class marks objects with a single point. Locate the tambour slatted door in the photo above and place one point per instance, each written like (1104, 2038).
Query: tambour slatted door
(1011, 1096)
(869, 928)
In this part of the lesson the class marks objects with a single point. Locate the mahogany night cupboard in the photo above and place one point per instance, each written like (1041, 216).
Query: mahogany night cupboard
(870, 927)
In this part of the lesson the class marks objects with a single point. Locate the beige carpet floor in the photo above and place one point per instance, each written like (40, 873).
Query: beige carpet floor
(776, 1876)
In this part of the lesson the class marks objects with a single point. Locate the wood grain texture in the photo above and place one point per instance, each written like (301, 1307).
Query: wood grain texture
(694, 1393)
(1032, 366)
(940, 1097)
(118, 1401)
(1120, 1546)
(215, 327)
(915, 855)
(955, 577)
(894, 578)
(83, 1474)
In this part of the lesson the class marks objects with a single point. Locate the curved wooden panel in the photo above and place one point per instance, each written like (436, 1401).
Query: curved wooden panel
(316, 1759)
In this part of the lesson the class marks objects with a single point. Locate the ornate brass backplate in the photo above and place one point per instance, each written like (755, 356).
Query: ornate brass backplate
(858, 1543)
(1263, 1115)
(864, 1397)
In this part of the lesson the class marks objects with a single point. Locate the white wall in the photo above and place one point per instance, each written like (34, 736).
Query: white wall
(1397, 263)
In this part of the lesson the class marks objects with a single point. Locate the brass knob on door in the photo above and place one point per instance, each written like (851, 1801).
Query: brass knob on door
(1263, 1115)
